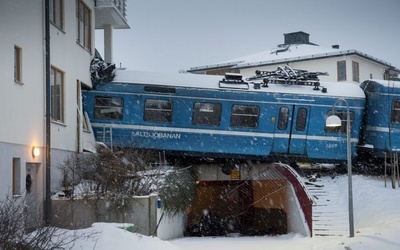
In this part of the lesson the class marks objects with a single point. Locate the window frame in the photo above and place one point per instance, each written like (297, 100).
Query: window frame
(56, 12)
(17, 64)
(162, 114)
(245, 120)
(57, 104)
(356, 71)
(84, 25)
(395, 112)
(342, 114)
(113, 105)
(341, 71)
(206, 114)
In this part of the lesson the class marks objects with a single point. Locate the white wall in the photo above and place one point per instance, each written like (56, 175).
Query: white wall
(296, 219)
(23, 104)
(366, 67)
(70, 57)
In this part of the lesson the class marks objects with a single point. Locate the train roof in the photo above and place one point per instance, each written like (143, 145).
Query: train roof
(334, 89)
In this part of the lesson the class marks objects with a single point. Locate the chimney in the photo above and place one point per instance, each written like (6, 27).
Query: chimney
(298, 37)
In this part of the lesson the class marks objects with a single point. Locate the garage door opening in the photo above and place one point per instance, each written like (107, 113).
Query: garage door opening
(256, 200)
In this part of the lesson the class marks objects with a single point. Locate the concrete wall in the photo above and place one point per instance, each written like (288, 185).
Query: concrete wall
(74, 214)
(170, 226)
(296, 220)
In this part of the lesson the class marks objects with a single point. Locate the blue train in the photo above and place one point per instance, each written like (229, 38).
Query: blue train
(274, 116)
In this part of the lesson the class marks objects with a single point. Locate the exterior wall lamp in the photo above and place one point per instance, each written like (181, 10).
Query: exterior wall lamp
(335, 121)
(35, 151)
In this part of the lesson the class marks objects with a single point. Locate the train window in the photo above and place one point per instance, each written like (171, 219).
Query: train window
(108, 108)
(157, 110)
(396, 111)
(301, 119)
(283, 118)
(343, 117)
(206, 114)
(244, 116)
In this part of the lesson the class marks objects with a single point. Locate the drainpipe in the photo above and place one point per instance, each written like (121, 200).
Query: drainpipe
(47, 212)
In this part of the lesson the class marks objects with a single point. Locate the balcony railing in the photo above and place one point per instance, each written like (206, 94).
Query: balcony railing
(112, 12)
(121, 5)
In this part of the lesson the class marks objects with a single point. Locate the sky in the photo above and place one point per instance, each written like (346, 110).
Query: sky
(171, 35)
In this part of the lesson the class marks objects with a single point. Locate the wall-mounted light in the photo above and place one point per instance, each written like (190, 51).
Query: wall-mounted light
(35, 152)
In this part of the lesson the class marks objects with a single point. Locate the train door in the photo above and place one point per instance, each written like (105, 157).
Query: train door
(291, 130)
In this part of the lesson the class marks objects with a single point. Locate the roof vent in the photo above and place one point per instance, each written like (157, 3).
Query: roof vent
(335, 46)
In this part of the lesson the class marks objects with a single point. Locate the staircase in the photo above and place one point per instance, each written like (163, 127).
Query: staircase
(330, 211)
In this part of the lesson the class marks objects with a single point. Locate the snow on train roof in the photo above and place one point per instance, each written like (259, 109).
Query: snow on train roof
(336, 89)
(386, 83)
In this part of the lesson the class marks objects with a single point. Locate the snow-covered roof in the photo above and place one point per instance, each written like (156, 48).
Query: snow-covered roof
(287, 53)
(337, 89)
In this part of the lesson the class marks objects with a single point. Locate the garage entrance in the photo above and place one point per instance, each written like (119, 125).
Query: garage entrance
(251, 200)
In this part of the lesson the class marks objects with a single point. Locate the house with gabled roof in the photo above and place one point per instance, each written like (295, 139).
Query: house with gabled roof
(299, 53)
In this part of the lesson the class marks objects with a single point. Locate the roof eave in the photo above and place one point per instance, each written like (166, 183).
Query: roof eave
(313, 57)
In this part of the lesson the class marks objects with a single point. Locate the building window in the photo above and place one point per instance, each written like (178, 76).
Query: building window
(57, 94)
(343, 117)
(16, 175)
(17, 64)
(341, 71)
(356, 72)
(208, 114)
(108, 108)
(301, 119)
(83, 15)
(158, 111)
(245, 116)
(57, 13)
(395, 117)
(370, 76)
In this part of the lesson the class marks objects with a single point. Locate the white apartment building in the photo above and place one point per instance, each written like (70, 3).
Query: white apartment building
(23, 59)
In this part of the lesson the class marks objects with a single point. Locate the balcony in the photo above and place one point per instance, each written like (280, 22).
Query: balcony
(111, 12)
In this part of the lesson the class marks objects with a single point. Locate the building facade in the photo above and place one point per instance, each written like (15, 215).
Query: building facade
(24, 56)
(299, 53)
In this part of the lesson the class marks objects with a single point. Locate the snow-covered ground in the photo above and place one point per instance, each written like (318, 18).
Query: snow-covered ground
(376, 215)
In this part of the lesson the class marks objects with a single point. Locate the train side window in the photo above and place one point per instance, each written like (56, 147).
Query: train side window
(208, 114)
(301, 119)
(343, 117)
(283, 118)
(245, 116)
(395, 117)
(158, 111)
(108, 108)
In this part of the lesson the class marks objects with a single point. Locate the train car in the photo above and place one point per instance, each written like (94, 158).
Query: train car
(381, 131)
(208, 116)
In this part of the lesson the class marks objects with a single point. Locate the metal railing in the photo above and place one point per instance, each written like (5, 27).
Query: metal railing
(119, 4)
